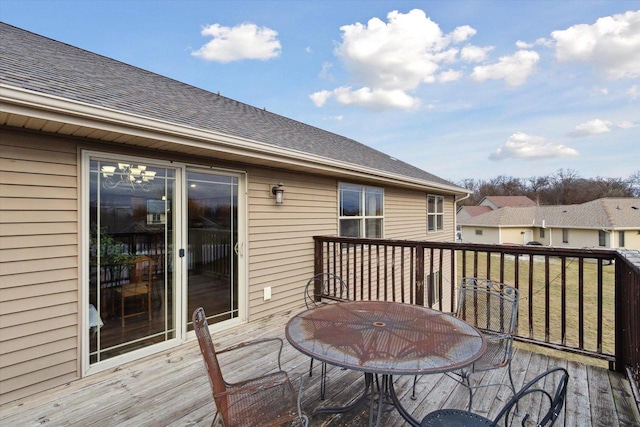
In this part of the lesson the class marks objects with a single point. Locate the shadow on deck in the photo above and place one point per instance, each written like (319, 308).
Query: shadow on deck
(172, 389)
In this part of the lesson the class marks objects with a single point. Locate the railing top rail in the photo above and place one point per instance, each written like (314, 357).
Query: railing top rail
(598, 253)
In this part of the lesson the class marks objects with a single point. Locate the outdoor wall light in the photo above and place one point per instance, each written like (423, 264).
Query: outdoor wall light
(278, 191)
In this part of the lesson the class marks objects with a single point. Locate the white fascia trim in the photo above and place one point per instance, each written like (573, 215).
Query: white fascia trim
(48, 107)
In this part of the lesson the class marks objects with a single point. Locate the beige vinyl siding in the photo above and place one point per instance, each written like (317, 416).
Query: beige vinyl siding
(516, 235)
(281, 236)
(38, 264)
(405, 214)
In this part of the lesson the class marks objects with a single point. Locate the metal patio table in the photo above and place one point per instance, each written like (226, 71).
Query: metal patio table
(386, 339)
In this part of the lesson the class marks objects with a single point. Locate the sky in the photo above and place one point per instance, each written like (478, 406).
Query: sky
(461, 89)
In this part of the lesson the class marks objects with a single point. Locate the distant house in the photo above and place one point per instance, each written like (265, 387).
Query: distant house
(606, 223)
(107, 170)
(497, 202)
(490, 203)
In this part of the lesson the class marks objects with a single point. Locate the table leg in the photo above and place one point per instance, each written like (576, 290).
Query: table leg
(396, 402)
(368, 385)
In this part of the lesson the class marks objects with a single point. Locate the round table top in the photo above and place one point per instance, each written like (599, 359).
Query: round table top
(385, 337)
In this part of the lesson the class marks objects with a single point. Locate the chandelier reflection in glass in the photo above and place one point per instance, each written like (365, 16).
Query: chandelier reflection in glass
(127, 176)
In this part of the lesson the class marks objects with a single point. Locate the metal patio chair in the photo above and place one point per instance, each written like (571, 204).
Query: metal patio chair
(492, 307)
(267, 400)
(543, 410)
(331, 288)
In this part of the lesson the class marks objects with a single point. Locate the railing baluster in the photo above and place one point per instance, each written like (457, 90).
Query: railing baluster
(563, 299)
(599, 338)
(530, 314)
(547, 300)
(581, 303)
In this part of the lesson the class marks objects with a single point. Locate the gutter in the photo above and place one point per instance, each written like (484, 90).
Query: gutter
(28, 103)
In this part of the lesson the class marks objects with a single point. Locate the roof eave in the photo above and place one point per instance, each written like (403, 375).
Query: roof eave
(14, 100)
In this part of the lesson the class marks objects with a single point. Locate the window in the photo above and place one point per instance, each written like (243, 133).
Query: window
(434, 283)
(542, 233)
(621, 239)
(565, 235)
(602, 238)
(478, 232)
(361, 211)
(435, 213)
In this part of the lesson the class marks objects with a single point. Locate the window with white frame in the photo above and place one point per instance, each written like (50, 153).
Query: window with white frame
(621, 239)
(435, 213)
(433, 285)
(602, 238)
(361, 211)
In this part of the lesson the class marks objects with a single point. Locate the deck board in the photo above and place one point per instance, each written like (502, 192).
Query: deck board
(172, 389)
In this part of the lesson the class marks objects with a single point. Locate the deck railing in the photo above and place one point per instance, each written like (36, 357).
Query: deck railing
(583, 301)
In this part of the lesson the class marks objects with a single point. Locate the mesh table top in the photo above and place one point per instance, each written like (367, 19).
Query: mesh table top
(385, 338)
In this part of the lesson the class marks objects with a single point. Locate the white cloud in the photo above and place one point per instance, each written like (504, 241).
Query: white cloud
(539, 42)
(612, 44)
(634, 92)
(592, 127)
(324, 72)
(524, 45)
(472, 53)
(513, 69)
(625, 124)
(337, 118)
(376, 99)
(531, 147)
(449, 76)
(244, 41)
(320, 98)
(389, 59)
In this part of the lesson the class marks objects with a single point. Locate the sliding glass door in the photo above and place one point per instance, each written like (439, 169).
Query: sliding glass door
(163, 241)
(132, 286)
(212, 245)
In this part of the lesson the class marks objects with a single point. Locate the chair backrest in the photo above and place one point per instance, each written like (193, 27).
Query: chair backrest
(141, 270)
(534, 389)
(218, 385)
(323, 288)
(489, 306)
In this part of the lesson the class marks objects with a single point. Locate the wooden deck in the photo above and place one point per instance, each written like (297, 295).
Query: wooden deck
(172, 389)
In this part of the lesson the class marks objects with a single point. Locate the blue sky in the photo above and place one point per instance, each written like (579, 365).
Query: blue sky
(462, 89)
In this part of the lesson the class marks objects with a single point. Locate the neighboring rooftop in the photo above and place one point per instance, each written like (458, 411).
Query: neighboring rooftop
(497, 202)
(39, 64)
(606, 213)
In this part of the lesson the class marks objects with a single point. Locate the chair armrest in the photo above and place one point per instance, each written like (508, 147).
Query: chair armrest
(255, 342)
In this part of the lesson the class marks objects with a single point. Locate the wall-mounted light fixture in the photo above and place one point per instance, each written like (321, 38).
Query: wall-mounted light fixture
(278, 191)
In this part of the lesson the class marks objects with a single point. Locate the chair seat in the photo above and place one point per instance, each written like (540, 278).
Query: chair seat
(455, 417)
(265, 401)
(131, 290)
(493, 357)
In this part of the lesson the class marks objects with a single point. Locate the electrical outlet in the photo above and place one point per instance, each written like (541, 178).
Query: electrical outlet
(267, 293)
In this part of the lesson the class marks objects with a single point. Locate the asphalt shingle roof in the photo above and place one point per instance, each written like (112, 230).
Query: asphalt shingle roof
(33, 62)
(607, 213)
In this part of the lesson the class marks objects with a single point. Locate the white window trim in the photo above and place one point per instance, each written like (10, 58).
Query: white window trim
(435, 214)
(361, 218)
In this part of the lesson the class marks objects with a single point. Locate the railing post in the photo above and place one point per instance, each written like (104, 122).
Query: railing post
(420, 275)
(318, 259)
(620, 316)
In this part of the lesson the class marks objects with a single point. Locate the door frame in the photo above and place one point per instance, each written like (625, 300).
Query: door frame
(180, 267)
(242, 259)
